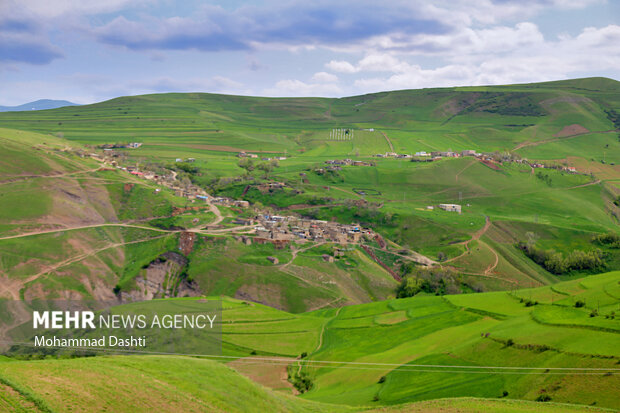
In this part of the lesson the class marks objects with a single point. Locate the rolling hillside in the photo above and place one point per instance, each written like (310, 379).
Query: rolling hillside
(24, 388)
(542, 121)
(494, 347)
(50, 186)
(72, 228)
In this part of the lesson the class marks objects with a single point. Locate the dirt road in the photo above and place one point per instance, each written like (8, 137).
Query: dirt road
(476, 236)
(389, 142)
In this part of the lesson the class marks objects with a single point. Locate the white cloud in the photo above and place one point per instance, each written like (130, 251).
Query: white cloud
(294, 87)
(324, 77)
(341, 66)
(56, 8)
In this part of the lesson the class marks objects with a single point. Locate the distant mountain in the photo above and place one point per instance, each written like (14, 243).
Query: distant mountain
(40, 104)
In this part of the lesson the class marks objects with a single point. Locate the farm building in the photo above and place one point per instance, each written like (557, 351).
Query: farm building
(468, 152)
(450, 207)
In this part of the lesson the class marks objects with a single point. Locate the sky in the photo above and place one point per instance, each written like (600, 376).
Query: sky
(90, 51)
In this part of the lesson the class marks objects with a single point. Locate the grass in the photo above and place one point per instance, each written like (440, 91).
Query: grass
(487, 329)
(186, 384)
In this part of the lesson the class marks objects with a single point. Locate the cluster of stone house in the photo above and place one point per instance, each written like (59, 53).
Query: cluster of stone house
(392, 155)
(271, 228)
(275, 158)
(347, 162)
(244, 154)
(110, 146)
(570, 169)
(266, 186)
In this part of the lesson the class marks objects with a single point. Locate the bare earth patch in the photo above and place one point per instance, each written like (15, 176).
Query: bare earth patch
(268, 373)
(571, 130)
(267, 294)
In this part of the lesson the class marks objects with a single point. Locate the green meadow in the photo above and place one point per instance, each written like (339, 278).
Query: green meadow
(483, 346)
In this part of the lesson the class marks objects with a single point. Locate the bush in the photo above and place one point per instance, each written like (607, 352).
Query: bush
(594, 313)
(611, 240)
(556, 263)
(302, 382)
(510, 342)
(543, 398)
(579, 304)
(438, 281)
(382, 379)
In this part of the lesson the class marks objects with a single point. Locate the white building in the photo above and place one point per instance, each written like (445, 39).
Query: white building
(450, 207)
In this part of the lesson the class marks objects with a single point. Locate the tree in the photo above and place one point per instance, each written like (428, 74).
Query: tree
(246, 164)
(531, 239)
(186, 183)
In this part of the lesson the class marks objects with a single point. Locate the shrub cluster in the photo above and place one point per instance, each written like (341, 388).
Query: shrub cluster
(611, 240)
(557, 263)
(438, 281)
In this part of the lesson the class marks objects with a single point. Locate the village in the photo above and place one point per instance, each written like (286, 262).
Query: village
(281, 230)
(486, 158)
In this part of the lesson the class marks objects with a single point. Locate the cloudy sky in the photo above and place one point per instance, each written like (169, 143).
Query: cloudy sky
(88, 51)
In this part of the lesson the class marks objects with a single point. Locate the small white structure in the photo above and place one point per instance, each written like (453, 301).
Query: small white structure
(450, 207)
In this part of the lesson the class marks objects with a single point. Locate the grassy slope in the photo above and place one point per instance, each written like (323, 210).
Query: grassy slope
(45, 186)
(212, 127)
(448, 331)
(422, 330)
(141, 384)
(483, 118)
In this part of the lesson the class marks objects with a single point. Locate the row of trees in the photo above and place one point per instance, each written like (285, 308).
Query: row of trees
(266, 166)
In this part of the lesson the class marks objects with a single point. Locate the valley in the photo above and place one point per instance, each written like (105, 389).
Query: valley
(446, 248)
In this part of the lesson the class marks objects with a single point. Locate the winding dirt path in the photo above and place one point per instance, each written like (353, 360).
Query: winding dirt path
(476, 236)
(417, 257)
(598, 181)
(544, 141)
(16, 178)
(294, 253)
(389, 142)
(320, 343)
(492, 266)
(14, 288)
(456, 177)
(53, 231)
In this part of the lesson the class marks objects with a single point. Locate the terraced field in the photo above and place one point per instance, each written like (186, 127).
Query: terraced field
(488, 345)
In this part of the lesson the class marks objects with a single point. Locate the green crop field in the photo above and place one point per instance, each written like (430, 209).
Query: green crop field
(485, 346)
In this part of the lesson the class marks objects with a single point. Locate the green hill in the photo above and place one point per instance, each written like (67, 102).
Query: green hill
(49, 185)
(141, 384)
(482, 118)
(494, 347)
